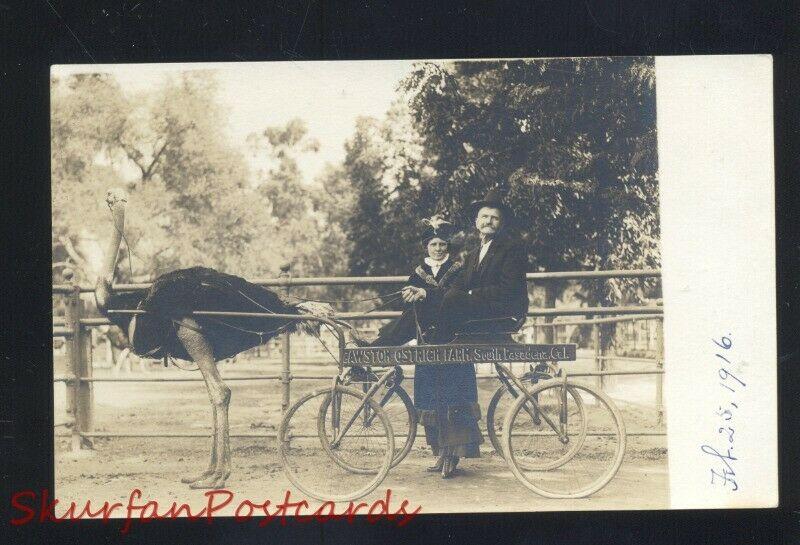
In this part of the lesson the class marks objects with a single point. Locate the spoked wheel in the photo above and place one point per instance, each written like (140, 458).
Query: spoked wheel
(597, 429)
(344, 436)
(530, 421)
(503, 400)
(399, 410)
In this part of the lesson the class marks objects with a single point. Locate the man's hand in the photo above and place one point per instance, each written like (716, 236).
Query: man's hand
(412, 294)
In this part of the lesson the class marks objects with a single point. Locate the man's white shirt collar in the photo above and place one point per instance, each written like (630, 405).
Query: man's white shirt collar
(484, 249)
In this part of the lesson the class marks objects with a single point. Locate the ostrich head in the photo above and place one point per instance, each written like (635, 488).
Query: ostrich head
(116, 199)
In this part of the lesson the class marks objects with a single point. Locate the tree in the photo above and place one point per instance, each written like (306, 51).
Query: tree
(191, 200)
(572, 142)
(391, 176)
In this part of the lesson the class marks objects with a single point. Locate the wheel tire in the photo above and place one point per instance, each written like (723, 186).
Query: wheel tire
(581, 491)
(380, 473)
(497, 441)
(399, 454)
(491, 430)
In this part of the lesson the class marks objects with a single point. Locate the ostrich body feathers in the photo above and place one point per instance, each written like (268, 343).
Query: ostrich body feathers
(175, 295)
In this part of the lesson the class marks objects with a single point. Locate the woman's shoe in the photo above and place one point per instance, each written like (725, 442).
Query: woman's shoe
(449, 469)
(437, 467)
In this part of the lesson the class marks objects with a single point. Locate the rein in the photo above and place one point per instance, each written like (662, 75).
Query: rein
(396, 295)
(392, 297)
(332, 301)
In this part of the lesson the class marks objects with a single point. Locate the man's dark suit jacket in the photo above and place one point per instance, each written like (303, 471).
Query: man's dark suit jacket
(498, 282)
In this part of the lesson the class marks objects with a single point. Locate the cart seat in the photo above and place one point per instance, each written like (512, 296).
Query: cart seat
(489, 330)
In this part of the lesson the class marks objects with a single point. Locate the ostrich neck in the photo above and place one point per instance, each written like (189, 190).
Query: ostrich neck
(103, 286)
(113, 245)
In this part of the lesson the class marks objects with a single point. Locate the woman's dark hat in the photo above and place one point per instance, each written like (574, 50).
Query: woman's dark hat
(437, 227)
(493, 199)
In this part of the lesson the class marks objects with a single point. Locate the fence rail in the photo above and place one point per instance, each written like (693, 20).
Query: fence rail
(79, 380)
(288, 281)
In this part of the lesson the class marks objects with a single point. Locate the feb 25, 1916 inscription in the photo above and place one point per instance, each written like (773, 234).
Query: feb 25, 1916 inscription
(454, 353)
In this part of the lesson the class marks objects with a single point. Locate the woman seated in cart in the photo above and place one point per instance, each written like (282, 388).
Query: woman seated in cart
(443, 296)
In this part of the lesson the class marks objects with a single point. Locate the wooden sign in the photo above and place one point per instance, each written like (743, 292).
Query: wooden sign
(441, 354)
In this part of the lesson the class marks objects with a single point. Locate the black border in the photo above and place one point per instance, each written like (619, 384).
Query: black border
(38, 33)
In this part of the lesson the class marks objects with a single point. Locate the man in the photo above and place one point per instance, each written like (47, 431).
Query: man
(492, 283)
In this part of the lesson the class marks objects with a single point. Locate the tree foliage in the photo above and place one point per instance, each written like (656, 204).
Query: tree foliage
(194, 198)
(391, 176)
(572, 142)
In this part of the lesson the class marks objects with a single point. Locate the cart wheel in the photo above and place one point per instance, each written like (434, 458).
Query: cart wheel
(402, 415)
(501, 402)
(308, 460)
(495, 417)
(597, 429)
(530, 421)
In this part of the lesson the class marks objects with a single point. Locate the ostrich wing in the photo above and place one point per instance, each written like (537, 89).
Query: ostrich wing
(177, 294)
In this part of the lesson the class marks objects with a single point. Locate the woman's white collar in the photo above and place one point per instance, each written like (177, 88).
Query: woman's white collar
(430, 262)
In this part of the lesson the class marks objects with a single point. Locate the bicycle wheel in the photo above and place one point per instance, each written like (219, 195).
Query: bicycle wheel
(591, 466)
(495, 417)
(531, 421)
(316, 472)
(502, 401)
(399, 409)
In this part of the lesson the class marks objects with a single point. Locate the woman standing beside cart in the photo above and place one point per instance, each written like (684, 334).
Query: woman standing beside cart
(445, 396)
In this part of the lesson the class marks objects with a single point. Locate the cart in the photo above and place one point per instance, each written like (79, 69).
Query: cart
(559, 437)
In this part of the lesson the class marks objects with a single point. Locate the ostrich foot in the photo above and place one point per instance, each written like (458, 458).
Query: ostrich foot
(214, 480)
(204, 475)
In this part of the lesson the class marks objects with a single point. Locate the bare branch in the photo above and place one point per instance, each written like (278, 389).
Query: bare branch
(133, 154)
(146, 174)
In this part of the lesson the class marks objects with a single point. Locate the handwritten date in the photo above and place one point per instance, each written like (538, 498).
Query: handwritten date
(722, 470)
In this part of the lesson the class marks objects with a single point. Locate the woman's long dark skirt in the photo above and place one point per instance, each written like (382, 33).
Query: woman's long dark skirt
(445, 396)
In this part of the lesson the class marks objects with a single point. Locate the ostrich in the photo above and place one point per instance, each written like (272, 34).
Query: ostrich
(169, 329)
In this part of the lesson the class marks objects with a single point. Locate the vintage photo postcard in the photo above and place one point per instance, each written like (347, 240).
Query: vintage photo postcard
(397, 287)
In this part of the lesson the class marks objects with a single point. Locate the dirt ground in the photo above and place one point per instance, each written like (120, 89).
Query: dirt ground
(117, 465)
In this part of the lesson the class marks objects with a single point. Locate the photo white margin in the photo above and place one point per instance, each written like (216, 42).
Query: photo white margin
(716, 171)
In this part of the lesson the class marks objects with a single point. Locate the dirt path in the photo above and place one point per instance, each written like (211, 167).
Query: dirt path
(155, 465)
(117, 466)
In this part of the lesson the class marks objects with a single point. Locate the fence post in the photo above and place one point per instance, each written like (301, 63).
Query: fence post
(79, 392)
(286, 377)
(660, 365)
(599, 364)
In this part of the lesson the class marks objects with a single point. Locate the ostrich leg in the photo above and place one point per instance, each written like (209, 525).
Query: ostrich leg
(219, 467)
(212, 464)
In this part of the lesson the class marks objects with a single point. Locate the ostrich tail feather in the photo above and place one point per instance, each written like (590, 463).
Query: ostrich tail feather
(313, 308)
